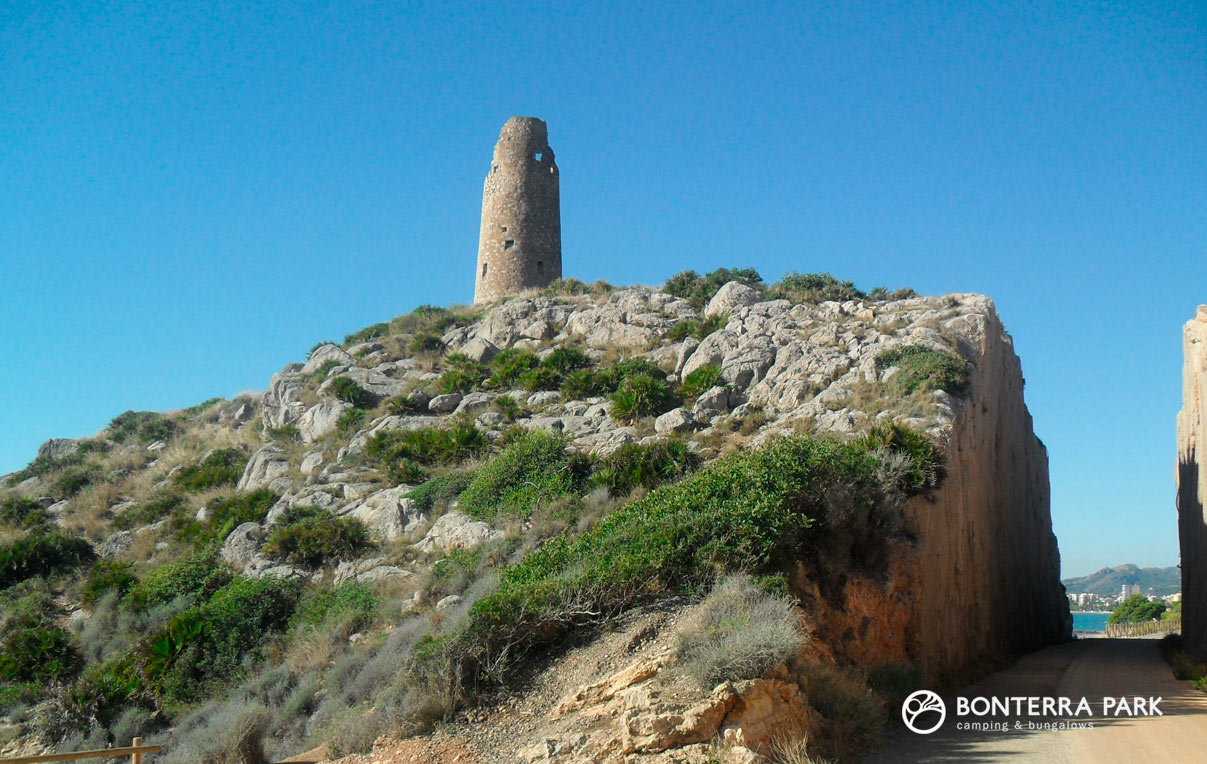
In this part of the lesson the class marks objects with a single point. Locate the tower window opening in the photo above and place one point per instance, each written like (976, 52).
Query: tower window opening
(504, 229)
(508, 243)
(537, 156)
(540, 267)
(485, 268)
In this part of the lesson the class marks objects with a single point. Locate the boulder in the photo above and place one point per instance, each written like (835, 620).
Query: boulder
(324, 353)
(388, 514)
(480, 350)
(58, 447)
(311, 462)
(243, 544)
(716, 398)
(544, 398)
(264, 466)
(445, 404)
(321, 419)
(730, 298)
(673, 421)
(116, 543)
(457, 530)
(474, 403)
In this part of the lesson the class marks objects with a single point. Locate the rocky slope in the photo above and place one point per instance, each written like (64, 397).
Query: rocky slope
(1192, 483)
(970, 579)
(1110, 580)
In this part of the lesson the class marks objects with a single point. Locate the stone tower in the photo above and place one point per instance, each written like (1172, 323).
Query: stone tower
(520, 245)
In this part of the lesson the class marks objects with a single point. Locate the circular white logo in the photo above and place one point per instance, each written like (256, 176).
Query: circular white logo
(919, 703)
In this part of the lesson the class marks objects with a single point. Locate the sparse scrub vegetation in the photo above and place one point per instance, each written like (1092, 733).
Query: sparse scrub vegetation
(701, 381)
(346, 390)
(636, 466)
(698, 290)
(534, 470)
(740, 632)
(641, 396)
(223, 466)
(920, 368)
(310, 536)
(105, 576)
(225, 513)
(41, 554)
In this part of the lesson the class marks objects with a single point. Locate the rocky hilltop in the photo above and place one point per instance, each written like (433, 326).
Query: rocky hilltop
(1192, 483)
(1111, 580)
(533, 499)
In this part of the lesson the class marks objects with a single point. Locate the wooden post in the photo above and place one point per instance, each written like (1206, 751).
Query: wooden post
(136, 757)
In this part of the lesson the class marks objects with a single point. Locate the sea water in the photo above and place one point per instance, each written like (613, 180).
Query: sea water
(1089, 623)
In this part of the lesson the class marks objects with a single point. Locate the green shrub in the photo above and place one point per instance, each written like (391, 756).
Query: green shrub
(440, 490)
(509, 366)
(39, 652)
(352, 603)
(882, 294)
(425, 342)
(635, 465)
(202, 407)
(430, 319)
(310, 536)
(324, 369)
(751, 511)
(813, 288)
(690, 327)
(507, 406)
(541, 378)
(350, 421)
(920, 368)
(41, 554)
(376, 331)
(701, 381)
(740, 632)
(923, 464)
(401, 405)
(201, 650)
(105, 690)
(22, 512)
(641, 396)
(537, 468)
(453, 573)
(567, 359)
(223, 466)
(143, 426)
(107, 575)
(584, 383)
(427, 446)
(346, 390)
(462, 374)
(153, 510)
(225, 514)
(194, 577)
(698, 290)
(72, 480)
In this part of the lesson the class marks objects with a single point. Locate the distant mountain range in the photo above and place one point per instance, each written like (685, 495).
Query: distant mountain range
(1111, 580)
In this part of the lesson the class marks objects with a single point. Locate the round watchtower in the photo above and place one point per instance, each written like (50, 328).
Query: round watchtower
(520, 245)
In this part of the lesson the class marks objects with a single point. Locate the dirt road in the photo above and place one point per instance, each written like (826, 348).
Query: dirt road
(1090, 668)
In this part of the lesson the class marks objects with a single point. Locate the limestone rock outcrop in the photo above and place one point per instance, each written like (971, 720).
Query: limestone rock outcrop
(1192, 483)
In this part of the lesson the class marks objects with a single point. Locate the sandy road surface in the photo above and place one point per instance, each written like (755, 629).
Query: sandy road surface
(1090, 668)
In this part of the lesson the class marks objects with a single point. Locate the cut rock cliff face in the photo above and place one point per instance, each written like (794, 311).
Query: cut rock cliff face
(973, 580)
(1192, 483)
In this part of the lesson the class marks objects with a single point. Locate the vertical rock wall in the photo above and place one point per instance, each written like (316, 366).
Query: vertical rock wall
(989, 583)
(1192, 483)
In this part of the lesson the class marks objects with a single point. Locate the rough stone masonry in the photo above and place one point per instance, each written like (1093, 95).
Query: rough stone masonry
(1192, 483)
(520, 244)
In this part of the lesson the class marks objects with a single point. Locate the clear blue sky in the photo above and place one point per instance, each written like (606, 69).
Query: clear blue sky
(193, 194)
